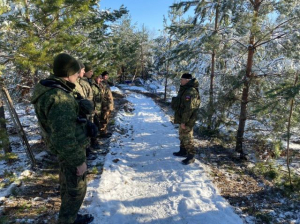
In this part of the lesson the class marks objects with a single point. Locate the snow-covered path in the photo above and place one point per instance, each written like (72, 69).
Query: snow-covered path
(143, 182)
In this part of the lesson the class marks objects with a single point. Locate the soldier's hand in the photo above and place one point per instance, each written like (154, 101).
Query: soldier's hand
(182, 125)
(81, 169)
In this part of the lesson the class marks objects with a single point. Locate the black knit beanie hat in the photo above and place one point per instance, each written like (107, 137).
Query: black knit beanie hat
(65, 65)
(186, 76)
(104, 73)
(88, 67)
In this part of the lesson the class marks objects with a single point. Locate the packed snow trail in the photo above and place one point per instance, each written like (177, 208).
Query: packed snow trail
(142, 182)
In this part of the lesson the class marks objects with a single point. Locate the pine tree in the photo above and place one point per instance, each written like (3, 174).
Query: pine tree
(207, 33)
(125, 49)
(254, 18)
(40, 29)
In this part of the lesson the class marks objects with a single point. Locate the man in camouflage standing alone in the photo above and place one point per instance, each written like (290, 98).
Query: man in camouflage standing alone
(57, 111)
(186, 105)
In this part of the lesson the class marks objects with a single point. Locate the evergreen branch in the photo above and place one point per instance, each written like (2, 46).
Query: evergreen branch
(8, 60)
(270, 40)
(271, 31)
(238, 42)
(47, 26)
(261, 2)
(263, 73)
(268, 75)
(5, 56)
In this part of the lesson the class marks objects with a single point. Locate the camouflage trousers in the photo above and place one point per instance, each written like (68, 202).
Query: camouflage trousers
(186, 139)
(97, 120)
(72, 192)
(104, 118)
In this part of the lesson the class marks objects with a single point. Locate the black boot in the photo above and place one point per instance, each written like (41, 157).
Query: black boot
(105, 135)
(189, 159)
(83, 219)
(182, 152)
(90, 154)
(94, 144)
(90, 150)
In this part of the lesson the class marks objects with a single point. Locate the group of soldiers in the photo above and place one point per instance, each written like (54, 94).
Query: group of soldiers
(96, 102)
(73, 107)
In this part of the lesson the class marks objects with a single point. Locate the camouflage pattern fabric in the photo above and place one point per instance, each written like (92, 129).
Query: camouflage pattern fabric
(104, 119)
(72, 192)
(84, 89)
(86, 104)
(189, 104)
(108, 100)
(186, 139)
(57, 112)
(107, 107)
(97, 95)
(97, 120)
(187, 113)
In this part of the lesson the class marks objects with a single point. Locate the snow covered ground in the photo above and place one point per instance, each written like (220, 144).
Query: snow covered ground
(142, 182)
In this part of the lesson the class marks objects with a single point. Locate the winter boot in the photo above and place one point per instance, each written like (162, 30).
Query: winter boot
(90, 153)
(90, 150)
(182, 152)
(94, 144)
(83, 219)
(105, 135)
(189, 159)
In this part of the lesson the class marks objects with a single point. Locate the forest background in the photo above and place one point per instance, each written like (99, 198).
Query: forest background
(244, 53)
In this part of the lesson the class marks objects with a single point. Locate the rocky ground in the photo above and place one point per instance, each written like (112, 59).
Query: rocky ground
(254, 196)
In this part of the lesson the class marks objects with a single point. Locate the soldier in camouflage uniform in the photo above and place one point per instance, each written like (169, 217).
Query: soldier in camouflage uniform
(107, 105)
(84, 90)
(82, 85)
(97, 100)
(186, 105)
(57, 112)
(100, 88)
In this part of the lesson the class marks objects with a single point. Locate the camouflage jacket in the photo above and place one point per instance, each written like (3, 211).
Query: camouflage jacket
(84, 95)
(57, 112)
(84, 89)
(108, 100)
(189, 102)
(97, 95)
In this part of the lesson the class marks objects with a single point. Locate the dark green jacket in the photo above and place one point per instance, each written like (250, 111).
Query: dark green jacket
(189, 102)
(57, 112)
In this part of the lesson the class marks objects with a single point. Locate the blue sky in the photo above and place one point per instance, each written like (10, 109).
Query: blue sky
(147, 12)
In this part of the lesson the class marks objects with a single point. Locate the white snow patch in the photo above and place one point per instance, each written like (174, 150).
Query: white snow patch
(142, 182)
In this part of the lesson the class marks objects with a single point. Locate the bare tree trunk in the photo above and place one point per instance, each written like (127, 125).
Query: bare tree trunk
(3, 131)
(289, 135)
(122, 79)
(167, 72)
(166, 85)
(247, 81)
(212, 76)
(35, 78)
(134, 74)
(142, 62)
